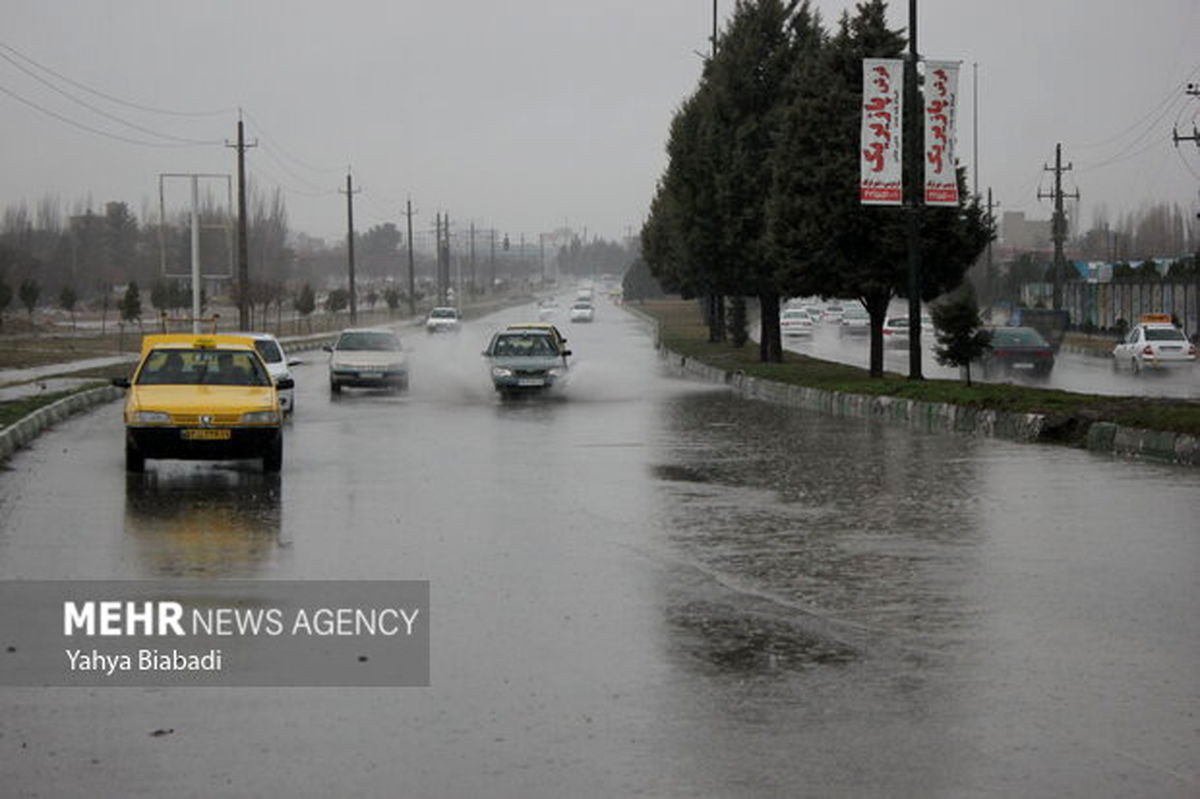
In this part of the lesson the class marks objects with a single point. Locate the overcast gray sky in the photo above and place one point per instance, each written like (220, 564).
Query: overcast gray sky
(524, 115)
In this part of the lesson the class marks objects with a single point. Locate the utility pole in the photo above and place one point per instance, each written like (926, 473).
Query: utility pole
(1059, 225)
(989, 269)
(412, 280)
(350, 192)
(243, 247)
(914, 162)
(492, 263)
(472, 256)
(1193, 90)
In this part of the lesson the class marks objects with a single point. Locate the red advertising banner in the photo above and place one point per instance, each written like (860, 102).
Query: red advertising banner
(882, 121)
(941, 108)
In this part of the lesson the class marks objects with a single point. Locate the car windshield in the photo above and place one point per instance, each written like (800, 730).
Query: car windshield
(523, 345)
(202, 368)
(898, 321)
(1017, 336)
(1163, 334)
(795, 315)
(582, 306)
(854, 313)
(367, 340)
(444, 313)
(268, 350)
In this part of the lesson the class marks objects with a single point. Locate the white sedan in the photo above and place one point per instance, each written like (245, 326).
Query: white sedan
(1154, 346)
(582, 311)
(795, 322)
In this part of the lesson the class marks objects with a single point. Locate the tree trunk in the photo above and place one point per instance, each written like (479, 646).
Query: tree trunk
(770, 341)
(877, 306)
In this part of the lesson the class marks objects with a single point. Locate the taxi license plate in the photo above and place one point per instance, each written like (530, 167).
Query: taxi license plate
(207, 434)
(370, 375)
(531, 381)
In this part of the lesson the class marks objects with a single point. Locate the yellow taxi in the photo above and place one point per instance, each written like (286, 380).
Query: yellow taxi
(202, 397)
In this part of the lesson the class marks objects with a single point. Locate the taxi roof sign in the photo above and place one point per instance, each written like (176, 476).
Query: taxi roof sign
(1157, 319)
(206, 341)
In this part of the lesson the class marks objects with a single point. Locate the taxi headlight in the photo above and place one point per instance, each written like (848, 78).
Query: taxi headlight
(500, 371)
(152, 417)
(260, 417)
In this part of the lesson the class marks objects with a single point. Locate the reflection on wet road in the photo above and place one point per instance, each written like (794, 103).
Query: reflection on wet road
(642, 587)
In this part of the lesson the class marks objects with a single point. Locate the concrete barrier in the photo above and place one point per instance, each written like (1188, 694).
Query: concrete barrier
(30, 426)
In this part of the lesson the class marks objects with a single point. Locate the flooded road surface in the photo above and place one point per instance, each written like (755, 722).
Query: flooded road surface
(642, 587)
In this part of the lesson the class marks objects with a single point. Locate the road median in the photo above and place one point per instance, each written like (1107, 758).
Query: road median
(1151, 428)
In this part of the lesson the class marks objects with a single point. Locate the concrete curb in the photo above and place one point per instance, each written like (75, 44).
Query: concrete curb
(30, 426)
(1103, 437)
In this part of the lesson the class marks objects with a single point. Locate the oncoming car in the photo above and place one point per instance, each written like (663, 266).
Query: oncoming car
(582, 311)
(525, 361)
(443, 320)
(367, 358)
(278, 365)
(1154, 345)
(202, 397)
(554, 332)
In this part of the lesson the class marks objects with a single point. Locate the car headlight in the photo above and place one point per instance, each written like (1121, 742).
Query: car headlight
(555, 371)
(152, 417)
(500, 371)
(260, 417)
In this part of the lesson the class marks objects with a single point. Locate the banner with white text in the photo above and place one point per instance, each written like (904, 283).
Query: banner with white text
(941, 108)
(882, 152)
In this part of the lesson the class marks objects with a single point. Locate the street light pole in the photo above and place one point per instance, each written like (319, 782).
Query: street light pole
(913, 168)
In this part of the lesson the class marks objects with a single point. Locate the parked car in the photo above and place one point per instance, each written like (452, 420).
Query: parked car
(895, 331)
(523, 361)
(795, 322)
(1016, 349)
(367, 358)
(443, 320)
(582, 311)
(202, 397)
(855, 321)
(1154, 345)
(279, 365)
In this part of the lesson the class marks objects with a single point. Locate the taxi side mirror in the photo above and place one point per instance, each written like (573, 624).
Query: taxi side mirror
(328, 348)
(121, 382)
(566, 353)
(286, 382)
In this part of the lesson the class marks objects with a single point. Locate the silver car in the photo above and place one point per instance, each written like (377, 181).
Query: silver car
(526, 361)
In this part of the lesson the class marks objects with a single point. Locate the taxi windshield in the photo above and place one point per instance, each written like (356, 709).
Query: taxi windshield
(202, 367)
(524, 345)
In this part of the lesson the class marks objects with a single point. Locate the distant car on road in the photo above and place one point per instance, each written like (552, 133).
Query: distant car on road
(524, 361)
(443, 320)
(582, 311)
(855, 321)
(1154, 345)
(547, 310)
(367, 358)
(795, 322)
(895, 331)
(1017, 350)
(831, 314)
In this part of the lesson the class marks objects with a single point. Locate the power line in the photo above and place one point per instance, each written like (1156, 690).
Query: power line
(97, 131)
(101, 112)
(270, 139)
(109, 97)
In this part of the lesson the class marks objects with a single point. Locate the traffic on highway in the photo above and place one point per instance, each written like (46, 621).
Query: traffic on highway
(640, 585)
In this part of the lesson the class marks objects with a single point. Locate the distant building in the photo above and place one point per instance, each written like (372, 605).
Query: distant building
(1020, 234)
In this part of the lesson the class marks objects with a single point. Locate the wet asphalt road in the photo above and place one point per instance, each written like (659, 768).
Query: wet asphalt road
(641, 588)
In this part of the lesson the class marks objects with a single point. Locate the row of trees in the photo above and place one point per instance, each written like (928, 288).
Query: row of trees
(760, 196)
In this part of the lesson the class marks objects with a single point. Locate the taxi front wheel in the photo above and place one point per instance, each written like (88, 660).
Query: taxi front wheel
(273, 457)
(134, 460)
